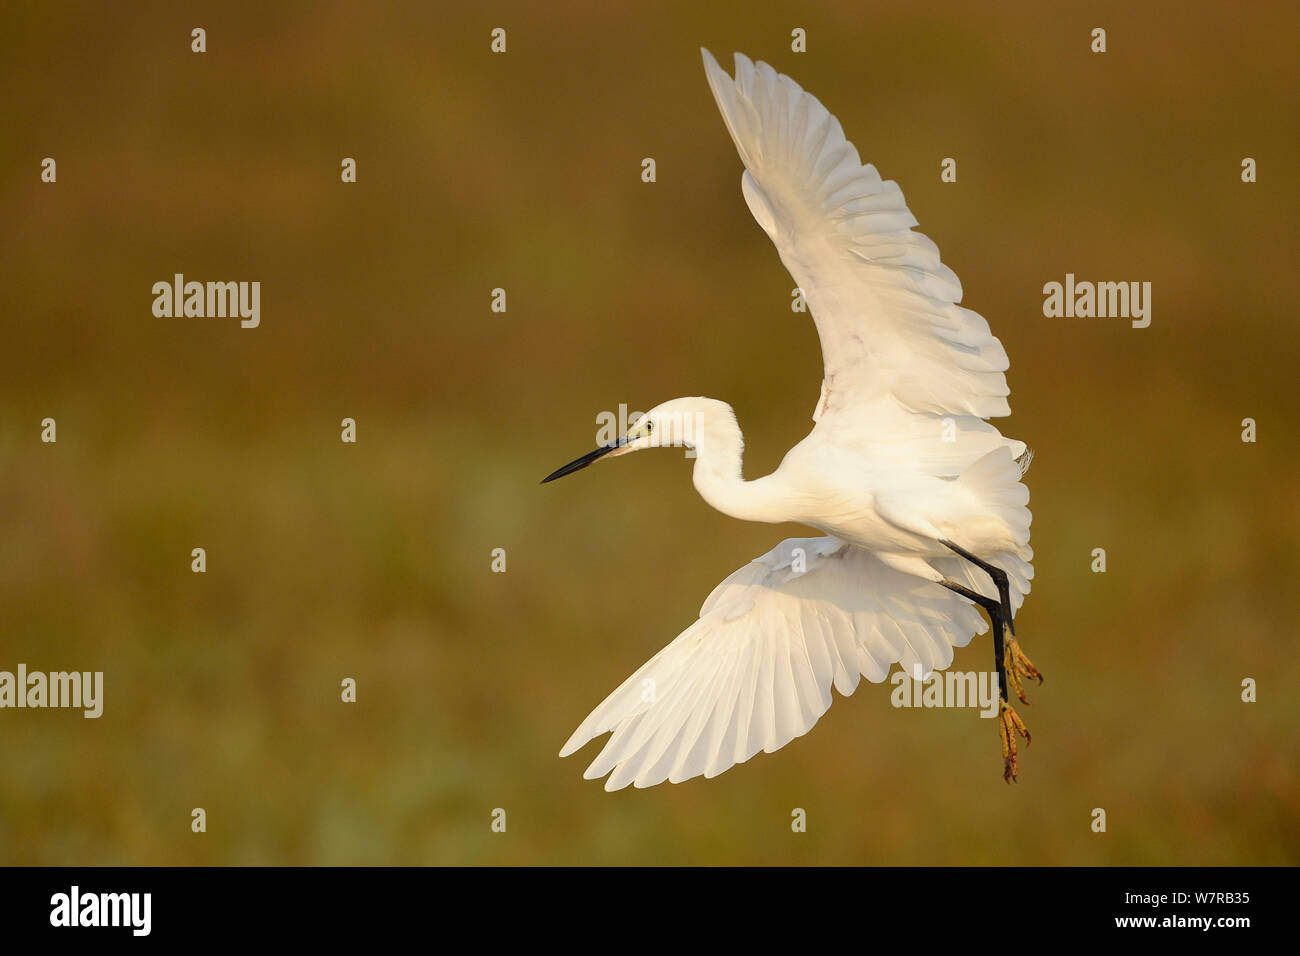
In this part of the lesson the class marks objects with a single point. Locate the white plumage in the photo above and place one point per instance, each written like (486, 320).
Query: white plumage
(900, 460)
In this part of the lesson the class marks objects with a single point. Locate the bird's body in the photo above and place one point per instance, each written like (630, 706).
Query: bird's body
(866, 494)
(919, 497)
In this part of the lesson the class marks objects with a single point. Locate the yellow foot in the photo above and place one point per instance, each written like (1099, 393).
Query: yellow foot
(1017, 666)
(1010, 724)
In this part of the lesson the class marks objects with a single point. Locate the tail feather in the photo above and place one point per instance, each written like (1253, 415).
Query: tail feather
(994, 482)
(1025, 460)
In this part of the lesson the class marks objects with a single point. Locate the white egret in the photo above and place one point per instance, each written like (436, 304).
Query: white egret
(920, 498)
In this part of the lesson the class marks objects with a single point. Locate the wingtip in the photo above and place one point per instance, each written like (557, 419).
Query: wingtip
(712, 68)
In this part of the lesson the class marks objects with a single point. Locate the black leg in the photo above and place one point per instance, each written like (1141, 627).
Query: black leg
(1009, 722)
(999, 612)
(995, 612)
(999, 579)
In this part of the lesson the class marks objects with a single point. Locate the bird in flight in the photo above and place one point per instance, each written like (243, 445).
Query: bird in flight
(918, 497)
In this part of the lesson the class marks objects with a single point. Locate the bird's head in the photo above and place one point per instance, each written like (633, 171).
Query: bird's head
(676, 424)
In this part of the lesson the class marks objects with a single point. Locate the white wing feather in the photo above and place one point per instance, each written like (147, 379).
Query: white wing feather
(895, 343)
(756, 670)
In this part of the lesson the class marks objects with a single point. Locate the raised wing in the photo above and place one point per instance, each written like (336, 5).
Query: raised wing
(756, 670)
(894, 341)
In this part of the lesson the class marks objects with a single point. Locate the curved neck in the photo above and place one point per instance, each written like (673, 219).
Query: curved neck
(719, 448)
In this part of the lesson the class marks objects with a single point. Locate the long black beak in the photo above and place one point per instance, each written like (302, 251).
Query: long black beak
(580, 463)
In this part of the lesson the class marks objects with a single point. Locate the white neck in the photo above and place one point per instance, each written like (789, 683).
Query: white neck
(717, 475)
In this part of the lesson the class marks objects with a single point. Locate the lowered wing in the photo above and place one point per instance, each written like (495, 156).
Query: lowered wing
(756, 670)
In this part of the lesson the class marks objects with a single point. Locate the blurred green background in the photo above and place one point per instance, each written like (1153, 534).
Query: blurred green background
(522, 171)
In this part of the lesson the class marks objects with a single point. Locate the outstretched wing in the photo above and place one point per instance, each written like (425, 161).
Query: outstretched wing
(894, 341)
(756, 670)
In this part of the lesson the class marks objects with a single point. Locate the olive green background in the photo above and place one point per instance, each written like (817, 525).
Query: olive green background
(522, 171)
